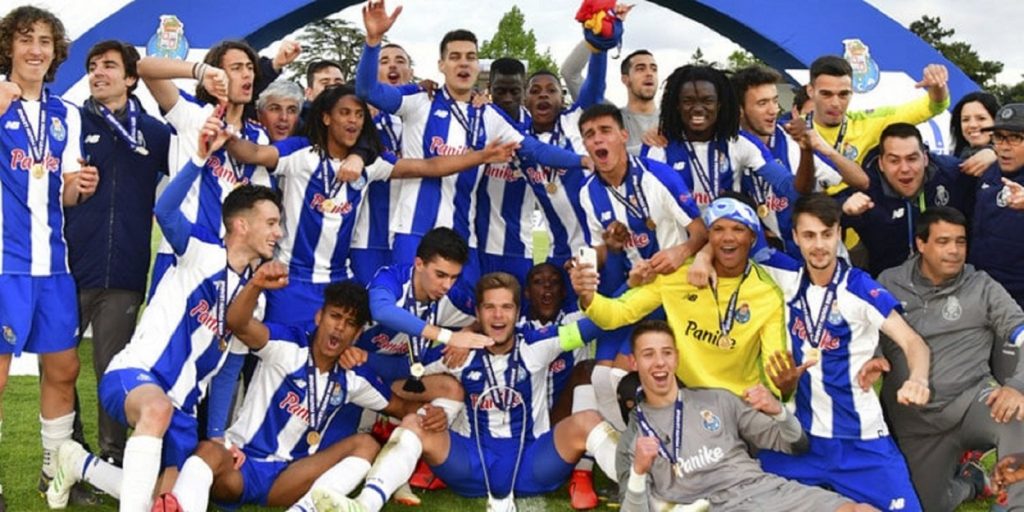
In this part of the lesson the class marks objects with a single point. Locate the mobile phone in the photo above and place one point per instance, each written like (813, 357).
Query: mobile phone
(588, 255)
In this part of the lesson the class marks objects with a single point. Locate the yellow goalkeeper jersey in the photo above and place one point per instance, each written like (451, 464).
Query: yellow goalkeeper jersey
(705, 361)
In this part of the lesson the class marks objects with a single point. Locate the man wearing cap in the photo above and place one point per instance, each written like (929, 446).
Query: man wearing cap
(962, 313)
(725, 331)
(834, 314)
(997, 232)
(904, 181)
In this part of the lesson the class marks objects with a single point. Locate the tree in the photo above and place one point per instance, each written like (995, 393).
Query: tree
(328, 38)
(740, 59)
(983, 72)
(513, 40)
(697, 59)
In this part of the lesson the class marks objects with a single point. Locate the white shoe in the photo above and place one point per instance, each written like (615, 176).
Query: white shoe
(405, 496)
(326, 500)
(69, 458)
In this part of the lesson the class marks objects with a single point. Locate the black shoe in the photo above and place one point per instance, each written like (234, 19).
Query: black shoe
(84, 495)
(3, 503)
(44, 483)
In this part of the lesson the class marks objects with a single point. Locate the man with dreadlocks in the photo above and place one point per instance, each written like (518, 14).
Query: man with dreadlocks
(700, 120)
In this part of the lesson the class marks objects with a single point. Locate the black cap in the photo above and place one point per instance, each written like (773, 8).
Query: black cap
(1010, 117)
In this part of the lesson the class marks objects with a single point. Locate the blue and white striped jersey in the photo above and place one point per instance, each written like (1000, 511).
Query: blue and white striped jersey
(220, 175)
(389, 335)
(178, 338)
(320, 213)
(829, 401)
(42, 141)
(525, 368)
(289, 398)
(373, 226)
(719, 164)
(650, 190)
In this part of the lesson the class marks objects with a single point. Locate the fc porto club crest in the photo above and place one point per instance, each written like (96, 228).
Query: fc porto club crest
(1003, 197)
(335, 399)
(169, 40)
(952, 309)
(865, 69)
(9, 335)
(941, 196)
(57, 130)
(743, 313)
(710, 421)
(834, 317)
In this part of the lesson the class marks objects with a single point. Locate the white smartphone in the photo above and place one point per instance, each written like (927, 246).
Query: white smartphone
(588, 255)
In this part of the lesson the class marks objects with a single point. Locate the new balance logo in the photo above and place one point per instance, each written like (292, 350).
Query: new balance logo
(12, 125)
(441, 113)
(92, 138)
(897, 504)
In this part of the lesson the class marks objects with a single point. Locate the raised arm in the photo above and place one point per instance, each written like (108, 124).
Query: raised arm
(253, 333)
(158, 73)
(384, 310)
(248, 152)
(377, 22)
(440, 166)
(592, 91)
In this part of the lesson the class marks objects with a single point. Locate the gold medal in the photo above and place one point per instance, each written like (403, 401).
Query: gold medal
(812, 354)
(223, 344)
(37, 170)
(724, 342)
(552, 187)
(417, 370)
(762, 210)
(328, 206)
(313, 438)
(651, 225)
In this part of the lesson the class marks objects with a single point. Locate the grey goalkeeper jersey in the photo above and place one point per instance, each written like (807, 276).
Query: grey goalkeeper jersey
(717, 428)
(960, 320)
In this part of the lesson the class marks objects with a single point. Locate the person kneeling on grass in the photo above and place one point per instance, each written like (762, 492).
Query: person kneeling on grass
(517, 364)
(713, 469)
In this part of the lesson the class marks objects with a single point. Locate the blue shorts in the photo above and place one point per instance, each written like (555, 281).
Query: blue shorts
(296, 303)
(872, 472)
(258, 477)
(38, 314)
(541, 471)
(364, 263)
(518, 266)
(182, 434)
(161, 263)
(389, 367)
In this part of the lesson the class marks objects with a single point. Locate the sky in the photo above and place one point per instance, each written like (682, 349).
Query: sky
(673, 48)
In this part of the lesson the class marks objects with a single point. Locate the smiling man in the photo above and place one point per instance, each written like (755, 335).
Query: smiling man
(726, 331)
(278, 109)
(965, 317)
(905, 180)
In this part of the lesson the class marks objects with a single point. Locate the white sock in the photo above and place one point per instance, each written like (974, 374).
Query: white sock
(54, 432)
(601, 441)
(393, 467)
(452, 408)
(141, 469)
(583, 399)
(102, 475)
(342, 478)
(605, 382)
(192, 488)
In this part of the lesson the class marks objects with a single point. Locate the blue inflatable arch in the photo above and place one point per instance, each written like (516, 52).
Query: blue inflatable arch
(788, 34)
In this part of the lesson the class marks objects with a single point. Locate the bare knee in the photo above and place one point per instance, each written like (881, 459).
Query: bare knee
(155, 416)
(61, 369)
(215, 455)
(366, 447)
(447, 387)
(586, 420)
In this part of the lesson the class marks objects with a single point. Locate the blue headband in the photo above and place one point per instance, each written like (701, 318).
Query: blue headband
(732, 209)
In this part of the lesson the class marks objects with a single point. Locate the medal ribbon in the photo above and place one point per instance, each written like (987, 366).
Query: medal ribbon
(37, 140)
(711, 180)
(418, 344)
(504, 397)
(641, 209)
(329, 177)
(816, 327)
(725, 323)
(225, 299)
(316, 405)
(677, 429)
(550, 173)
(130, 134)
(839, 137)
(470, 123)
(388, 126)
